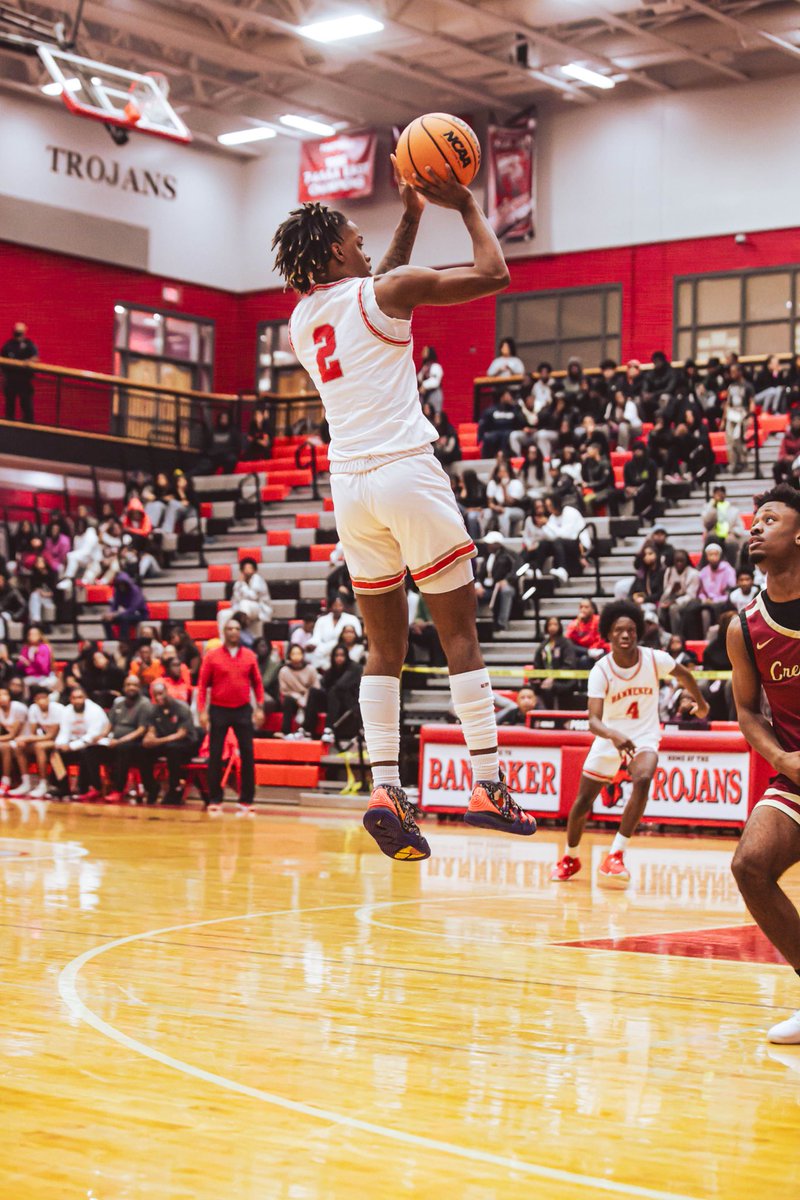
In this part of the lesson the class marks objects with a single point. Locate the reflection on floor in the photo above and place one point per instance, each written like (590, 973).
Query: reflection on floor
(745, 943)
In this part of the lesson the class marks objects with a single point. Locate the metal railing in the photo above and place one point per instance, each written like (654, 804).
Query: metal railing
(311, 465)
(257, 498)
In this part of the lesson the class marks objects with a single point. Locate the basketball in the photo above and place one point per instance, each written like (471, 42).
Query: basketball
(437, 140)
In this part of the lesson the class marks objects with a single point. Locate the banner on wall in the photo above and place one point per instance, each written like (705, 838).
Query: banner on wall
(533, 773)
(694, 786)
(337, 168)
(512, 181)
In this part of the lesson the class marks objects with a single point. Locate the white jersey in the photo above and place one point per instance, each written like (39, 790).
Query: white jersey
(630, 694)
(362, 364)
(38, 721)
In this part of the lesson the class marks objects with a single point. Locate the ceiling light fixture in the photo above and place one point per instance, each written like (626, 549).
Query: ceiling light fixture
(54, 88)
(307, 124)
(238, 137)
(594, 78)
(339, 28)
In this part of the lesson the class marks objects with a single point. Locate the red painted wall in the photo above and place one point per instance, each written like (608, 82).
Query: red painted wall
(69, 303)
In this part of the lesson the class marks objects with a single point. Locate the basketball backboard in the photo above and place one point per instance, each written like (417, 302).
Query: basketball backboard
(128, 99)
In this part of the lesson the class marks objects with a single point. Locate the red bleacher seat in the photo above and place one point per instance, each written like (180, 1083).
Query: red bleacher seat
(620, 457)
(266, 750)
(279, 537)
(694, 557)
(289, 479)
(206, 508)
(220, 573)
(158, 609)
(698, 647)
(189, 591)
(619, 477)
(98, 593)
(247, 468)
(747, 519)
(287, 775)
(307, 520)
(200, 630)
(327, 504)
(250, 552)
(470, 453)
(273, 493)
(320, 553)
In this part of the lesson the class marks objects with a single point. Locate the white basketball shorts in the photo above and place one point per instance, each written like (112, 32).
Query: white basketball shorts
(402, 514)
(604, 759)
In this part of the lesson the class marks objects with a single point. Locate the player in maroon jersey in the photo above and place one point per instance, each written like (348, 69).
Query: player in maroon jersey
(764, 649)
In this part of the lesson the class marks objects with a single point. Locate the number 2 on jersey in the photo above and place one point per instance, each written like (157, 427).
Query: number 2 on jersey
(325, 340)
(632, 712)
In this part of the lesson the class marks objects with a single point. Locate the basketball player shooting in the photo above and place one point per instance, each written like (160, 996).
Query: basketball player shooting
(393, 501)
(764, 649)
(623, 715)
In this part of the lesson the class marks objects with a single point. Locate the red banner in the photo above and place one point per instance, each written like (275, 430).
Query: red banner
(511, 191)
(337, 168)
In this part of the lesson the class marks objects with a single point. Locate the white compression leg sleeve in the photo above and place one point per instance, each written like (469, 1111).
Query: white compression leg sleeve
(379, 697)
(474, 705)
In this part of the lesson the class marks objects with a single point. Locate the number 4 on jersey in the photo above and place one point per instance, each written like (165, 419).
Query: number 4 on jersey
(325, 340)
(632, 712)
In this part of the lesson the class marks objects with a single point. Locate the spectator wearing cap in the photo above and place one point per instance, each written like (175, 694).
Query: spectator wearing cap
(717, 579)
(229, 676)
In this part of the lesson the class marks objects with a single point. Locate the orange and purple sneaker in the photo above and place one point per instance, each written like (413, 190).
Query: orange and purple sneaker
(566, 868)
(612, 872)
(491, 806)
(390, 820)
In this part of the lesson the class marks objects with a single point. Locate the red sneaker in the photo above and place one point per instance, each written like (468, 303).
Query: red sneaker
(5, 788)
(491, 806)
(90, 797)
(612, 872)
(114, 798)
(565, 868)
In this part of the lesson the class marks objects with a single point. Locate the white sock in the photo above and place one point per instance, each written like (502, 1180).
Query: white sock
(6, 781)
(474, 705)
(620, 842)
(379, 698)
(572, 851)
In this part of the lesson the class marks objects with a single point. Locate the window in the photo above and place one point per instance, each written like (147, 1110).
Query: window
(277, 369)
(165, 349)
(555, 326)
(752, 312)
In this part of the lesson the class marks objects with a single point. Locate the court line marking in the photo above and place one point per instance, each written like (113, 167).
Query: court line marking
(68, 991)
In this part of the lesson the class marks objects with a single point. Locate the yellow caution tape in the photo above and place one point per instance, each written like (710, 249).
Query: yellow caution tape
(543, 673)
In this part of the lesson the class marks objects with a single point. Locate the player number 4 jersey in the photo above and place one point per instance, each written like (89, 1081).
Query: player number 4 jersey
(630, 694)
(362, 364)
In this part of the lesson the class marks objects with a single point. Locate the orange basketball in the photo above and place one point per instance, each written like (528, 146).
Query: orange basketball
(437, 140)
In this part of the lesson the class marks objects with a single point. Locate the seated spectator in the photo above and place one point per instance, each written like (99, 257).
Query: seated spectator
(57, 546)
(340, 685)
(84, 558)
(422, 634)
(640, 476)
(429, 378)
(770, 386)
(121, 748)
(176, 678)
(659, 442)
(353, 644)
(678, 650)
(111, 541)
(13, 718)
(719, 692)
(221, 447)
(20, 540)
(526, 702)
(598, 476)
(187, 650)
(470, 496)
(327, 631)
(562, 538)
(723, 524)
(717, 580)
(584, 632)
(149, 633)
(35, 662)
(649, 578)
(681, 586)
(128, 608)
(507, 362)
(497, 583)
(269, 664)
(8, 670)
(41, 585)
(13, 606)
(504, 493)
(589, 431)
(542, 389)
(789, 450)
(145, 666)
(623, 420)
(102, 679)
(654, 636)
(631, 384)
(520, 439)
(250, 596)
(556, 653)
(446, 447)
(188, 515)
(659, 537)
(259, 442)
(573, 383)
(663, 379)
(38, 738)
(736, 413)
(746, 589)
(303, 634)
(497, 424)
(300, 693)
(170, 506)
(83, 724)
(135, 521)
(170, 735)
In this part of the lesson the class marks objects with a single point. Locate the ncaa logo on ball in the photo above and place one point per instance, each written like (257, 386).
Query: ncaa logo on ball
(459, 147)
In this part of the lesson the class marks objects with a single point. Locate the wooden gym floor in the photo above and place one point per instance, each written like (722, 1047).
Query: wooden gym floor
(271, 1010)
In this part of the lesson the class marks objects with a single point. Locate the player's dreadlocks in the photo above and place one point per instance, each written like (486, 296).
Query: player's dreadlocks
(304, 244)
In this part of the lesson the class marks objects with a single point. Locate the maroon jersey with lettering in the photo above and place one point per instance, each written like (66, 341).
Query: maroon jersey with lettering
(775, 650)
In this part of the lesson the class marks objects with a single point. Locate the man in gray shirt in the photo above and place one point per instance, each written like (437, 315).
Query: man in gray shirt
(122, 747)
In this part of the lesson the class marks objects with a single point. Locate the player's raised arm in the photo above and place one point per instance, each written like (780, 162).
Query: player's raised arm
(401, 290)
(747, 695)
(402, 244)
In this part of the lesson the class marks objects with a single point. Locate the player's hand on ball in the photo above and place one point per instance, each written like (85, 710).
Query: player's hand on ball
(413, 201)
(445, 190)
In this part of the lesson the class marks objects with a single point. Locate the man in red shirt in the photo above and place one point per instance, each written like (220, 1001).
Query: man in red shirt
(228, 675)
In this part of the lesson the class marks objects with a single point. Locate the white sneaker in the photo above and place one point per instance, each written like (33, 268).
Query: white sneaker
(244, 810)
(39, 792)
(24, 788)
(786, 1033)
(560, 574)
